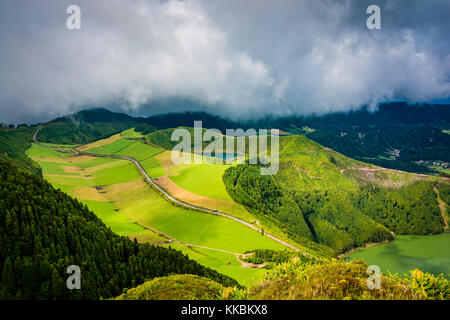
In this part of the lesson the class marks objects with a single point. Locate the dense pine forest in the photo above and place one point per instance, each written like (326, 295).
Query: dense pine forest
(43, 231)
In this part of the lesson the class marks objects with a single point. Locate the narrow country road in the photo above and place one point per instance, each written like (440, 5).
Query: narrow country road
(161, 190)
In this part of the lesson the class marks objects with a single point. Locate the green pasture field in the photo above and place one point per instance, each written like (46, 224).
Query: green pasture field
(206, 180)
(139, 150)
(113, 147)
(38, 151)
(153, 168)
(113, 219)
(55, 168)
(202, 179)
(188, 226)
(223, 262)
(95, 162)
(122, 173)
(131, 133)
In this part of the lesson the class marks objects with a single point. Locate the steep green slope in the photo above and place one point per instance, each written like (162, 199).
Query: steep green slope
(14, 143)
(43, 231)
(321, 195)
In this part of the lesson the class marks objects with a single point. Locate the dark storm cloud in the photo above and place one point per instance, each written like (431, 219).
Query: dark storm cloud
(236, 58)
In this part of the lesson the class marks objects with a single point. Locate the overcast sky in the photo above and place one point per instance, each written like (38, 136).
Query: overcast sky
(235, 58)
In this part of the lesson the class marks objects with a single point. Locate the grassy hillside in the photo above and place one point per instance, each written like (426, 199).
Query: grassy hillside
(318, 196)
(14, 143)
(323, 201)
(224, 263)
(323, 196)
(201, 185)
(80, 128)
(131, 133)
(43, 231)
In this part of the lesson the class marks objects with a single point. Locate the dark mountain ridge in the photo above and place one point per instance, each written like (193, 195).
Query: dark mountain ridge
(396, 135)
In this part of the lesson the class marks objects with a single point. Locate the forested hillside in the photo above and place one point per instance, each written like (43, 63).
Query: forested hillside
(397, 147)
(43, 231)
(325, 197)
(14, 143)
(86, 126)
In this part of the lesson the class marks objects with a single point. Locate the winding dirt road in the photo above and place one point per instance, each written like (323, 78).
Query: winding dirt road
(163, 192)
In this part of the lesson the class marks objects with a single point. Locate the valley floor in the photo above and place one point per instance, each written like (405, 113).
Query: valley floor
(116, 192)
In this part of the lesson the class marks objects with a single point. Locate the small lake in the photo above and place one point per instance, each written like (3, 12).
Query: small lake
(427, 253)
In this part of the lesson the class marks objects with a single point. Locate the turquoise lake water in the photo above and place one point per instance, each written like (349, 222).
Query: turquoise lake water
(427, 253)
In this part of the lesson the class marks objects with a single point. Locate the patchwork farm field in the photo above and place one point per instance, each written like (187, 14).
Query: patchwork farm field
(83, 178)
(201, 185)
(131, 133)
(116, 192)
(223, 262)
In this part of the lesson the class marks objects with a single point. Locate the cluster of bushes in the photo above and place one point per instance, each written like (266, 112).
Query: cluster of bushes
(335, 280)
(144, 128)
(183, 287)
(274, 257)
